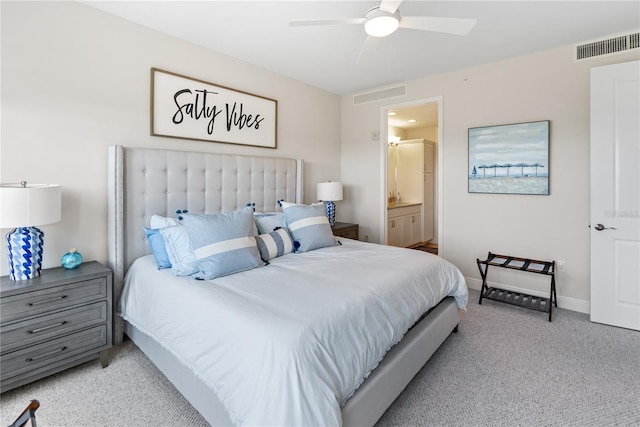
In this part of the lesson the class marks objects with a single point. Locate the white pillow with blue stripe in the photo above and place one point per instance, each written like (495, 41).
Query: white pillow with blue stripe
(222, 243)
(274, 244)
(309, 226)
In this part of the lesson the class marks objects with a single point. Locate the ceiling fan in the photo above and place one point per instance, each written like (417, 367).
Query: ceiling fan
(383, 20)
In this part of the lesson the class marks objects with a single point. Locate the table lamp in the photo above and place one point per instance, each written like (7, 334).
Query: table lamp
(22, 207)
(330, 192)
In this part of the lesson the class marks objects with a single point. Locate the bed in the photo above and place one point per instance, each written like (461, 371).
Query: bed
(232, 345)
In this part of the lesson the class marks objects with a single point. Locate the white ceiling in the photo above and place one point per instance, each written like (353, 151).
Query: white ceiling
(258, 32)
(425, 115)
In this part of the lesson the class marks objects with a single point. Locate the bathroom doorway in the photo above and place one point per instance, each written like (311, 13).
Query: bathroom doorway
(412, 131)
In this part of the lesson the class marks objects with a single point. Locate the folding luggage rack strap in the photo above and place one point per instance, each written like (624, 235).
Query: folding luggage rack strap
(516, 298)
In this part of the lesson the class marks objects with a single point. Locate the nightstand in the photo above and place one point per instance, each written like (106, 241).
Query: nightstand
(346, 230)
(53, 322)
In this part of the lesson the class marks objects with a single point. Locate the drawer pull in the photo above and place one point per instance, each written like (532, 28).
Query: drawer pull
(31, 359)
(35, 331)
(31, 304)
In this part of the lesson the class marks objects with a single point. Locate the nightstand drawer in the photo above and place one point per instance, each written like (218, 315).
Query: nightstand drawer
(351, 233)
(47, 300)
(346, 230)
(30, 359)
(33, 331)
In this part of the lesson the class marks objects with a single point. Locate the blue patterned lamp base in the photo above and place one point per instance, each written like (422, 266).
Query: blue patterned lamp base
(24, 249)
(330, 207)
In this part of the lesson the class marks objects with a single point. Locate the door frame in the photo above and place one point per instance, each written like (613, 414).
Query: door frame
(439, 177)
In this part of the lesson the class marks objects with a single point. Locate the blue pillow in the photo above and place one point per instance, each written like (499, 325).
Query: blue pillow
(274, 244)
(158, 248)
(222, 243)
(268, 222)
(309, 226)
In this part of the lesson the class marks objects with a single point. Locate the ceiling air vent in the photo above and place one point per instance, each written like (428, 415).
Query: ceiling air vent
(609, 46)
(634, 41)
(390, 92)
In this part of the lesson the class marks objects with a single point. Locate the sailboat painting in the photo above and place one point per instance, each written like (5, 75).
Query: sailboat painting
(509, 159)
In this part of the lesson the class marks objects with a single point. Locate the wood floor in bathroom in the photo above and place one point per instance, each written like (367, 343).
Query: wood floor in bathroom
(427, 247)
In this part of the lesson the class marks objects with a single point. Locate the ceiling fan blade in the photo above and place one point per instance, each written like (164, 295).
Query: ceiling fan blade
(326, 22)
(369, 44)
(459, 26)
(390, 6)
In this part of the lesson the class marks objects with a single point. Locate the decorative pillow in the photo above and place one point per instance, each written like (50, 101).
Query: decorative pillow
(183, 260)
(268, 222)
(309, 226)
(158, 248)
(223, 243)
(176, 245)
(255, 226)
(274, 244)
(158, 221)
(285, 205)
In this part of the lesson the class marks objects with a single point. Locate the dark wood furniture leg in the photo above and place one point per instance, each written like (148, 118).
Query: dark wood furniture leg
(29, 414)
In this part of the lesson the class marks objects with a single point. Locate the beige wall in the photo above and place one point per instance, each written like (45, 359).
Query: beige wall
(76, 80)
(542, 86)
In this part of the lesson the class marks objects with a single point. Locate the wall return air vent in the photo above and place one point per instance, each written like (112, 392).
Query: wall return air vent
(376, 95)
(608, 46)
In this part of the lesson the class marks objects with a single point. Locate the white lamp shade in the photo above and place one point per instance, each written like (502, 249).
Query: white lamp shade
(29, 205)
(329, 191)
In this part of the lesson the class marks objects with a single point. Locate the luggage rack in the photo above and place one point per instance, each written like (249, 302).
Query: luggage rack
(517, 298)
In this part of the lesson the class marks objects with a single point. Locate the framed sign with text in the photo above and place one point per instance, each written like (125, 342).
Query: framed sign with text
(183, 107)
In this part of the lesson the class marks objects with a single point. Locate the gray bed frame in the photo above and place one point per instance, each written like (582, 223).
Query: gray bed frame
(144, 182)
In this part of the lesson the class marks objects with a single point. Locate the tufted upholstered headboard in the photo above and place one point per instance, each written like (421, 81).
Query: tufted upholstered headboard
(144, 182)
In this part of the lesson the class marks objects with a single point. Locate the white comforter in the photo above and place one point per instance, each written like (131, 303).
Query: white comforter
(289, 343)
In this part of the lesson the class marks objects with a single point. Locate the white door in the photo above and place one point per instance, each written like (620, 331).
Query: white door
(615, 195)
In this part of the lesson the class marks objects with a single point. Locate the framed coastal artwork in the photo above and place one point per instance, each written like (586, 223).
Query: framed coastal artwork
(509, 159)
(188, 108)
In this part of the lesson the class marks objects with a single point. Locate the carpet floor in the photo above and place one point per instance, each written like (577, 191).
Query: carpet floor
(507, 366)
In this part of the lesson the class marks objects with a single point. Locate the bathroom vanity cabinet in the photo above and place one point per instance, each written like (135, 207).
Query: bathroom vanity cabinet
(404, 225)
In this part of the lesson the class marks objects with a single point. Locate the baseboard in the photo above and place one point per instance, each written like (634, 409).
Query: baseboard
(563, 302)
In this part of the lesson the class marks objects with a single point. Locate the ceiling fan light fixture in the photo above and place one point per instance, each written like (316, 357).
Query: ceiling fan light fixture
(380, 24)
